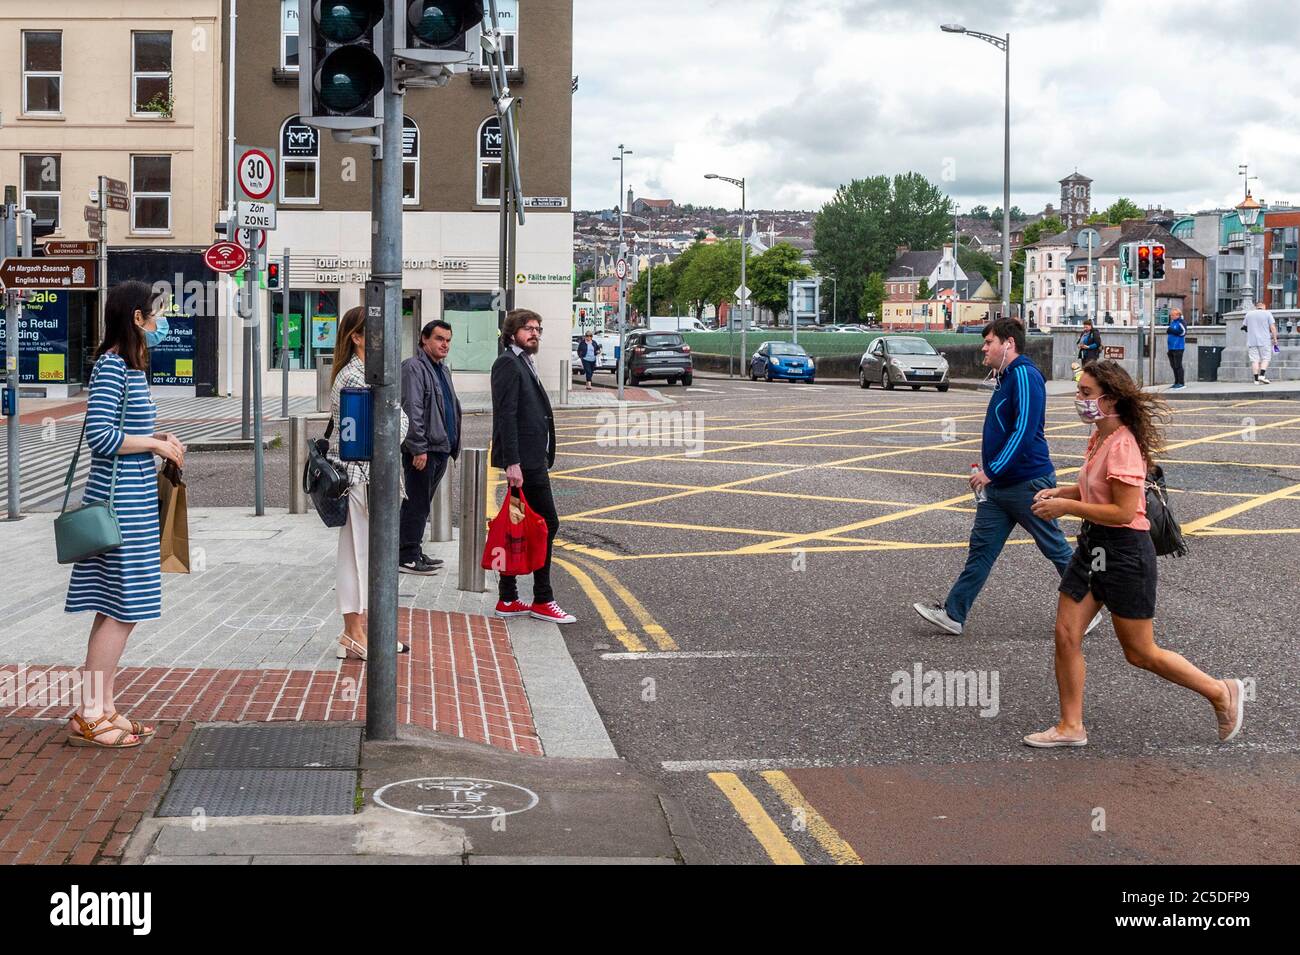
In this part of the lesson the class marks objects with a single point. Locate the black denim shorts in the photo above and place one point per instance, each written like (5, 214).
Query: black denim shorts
(1118, 564)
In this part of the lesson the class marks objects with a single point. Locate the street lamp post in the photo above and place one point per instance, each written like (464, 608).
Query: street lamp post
(622, 281)
(1248, 213)
(1003, 43)
(744, 250)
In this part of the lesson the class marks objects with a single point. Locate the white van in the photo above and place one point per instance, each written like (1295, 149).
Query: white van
(675, 323)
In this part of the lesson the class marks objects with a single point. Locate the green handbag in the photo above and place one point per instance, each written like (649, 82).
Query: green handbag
(91, 529)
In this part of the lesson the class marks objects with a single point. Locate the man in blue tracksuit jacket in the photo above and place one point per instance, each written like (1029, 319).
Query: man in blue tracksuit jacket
(1016, 466)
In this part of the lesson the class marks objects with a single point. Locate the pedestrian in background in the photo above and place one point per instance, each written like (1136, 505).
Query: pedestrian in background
(1261, 338)
(523, 444)
(124, 585)
(1089, 343)
(352, 568)
(1115, 563)
(588, 352)
(433, 410)
(1016, 466)
(1176, 344)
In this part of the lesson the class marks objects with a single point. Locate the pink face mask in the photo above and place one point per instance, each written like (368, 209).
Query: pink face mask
(1089, 410)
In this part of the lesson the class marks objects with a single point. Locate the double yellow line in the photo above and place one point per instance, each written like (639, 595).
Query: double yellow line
(803, 817)
(578, 569)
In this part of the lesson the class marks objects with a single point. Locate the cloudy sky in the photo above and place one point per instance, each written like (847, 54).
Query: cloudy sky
(802, 95)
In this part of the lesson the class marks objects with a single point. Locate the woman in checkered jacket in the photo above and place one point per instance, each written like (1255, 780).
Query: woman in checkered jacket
(351, 580)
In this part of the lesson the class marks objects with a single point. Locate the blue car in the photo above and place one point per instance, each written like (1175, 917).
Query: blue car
(782, 360)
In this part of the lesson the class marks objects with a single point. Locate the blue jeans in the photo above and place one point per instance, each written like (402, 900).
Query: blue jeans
(995, 518)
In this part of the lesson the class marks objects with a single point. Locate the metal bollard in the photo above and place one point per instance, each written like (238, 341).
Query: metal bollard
(566, 381)
(440, 510)
(473, 519)
(297, 462)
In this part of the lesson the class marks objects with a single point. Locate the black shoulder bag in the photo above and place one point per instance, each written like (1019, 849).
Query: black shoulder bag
(325, 483)
(1165, 532)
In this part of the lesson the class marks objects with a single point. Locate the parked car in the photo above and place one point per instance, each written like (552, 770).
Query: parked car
(652, 354)
(902, 360)
(782, 360)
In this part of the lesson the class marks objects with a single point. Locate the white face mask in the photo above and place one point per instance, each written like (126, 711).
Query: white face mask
(1089, 410)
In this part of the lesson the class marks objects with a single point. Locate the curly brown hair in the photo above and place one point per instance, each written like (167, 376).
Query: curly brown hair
(1141, 412)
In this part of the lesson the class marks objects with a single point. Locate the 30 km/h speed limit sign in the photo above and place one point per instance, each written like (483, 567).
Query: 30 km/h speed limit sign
(620, 268)
(255, 175)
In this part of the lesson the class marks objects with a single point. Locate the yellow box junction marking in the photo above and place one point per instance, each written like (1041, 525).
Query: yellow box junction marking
(753, 815)
(822, 831)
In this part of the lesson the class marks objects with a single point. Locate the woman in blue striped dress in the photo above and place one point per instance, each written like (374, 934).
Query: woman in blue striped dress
(123, 586)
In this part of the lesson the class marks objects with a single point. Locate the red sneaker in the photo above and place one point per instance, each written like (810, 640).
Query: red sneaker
(512, 608)
(552, 612)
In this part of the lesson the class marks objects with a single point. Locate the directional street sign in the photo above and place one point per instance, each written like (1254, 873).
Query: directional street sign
(255, 215)
(58, 247)
(116, 202)
(93, 214)
(95, 231)
(115, 187)
(48, 273)
(225, 257)
(255, 175)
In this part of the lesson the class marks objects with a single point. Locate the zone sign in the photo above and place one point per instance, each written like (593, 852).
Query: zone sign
(255, 174)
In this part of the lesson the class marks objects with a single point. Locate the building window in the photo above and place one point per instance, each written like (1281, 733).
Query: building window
(41, 183)
(314, 312)
(42, 72)
(151, 74)
(1062, 286)
(489, 162)
(508, 20)
(1049, 260)
(299, 162)
(289, 34)
(475, 337)
(410, 162)
(151, 193)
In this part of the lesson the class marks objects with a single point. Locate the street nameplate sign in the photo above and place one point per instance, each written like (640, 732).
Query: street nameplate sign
(225, 257)
(255, 215)
(116, 202)
(545, 202)
(45, 273)
(55, 247)
(255, 175)
(115, 187)
(93, 214)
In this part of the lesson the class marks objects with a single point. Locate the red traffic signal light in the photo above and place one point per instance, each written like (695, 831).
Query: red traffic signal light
(1144, 261)
(273, 275)
(1157, 262)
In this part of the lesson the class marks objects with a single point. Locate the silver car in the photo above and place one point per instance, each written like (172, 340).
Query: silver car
(893, 360)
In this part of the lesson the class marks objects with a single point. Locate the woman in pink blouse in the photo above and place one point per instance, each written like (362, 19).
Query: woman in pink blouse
(1114, 564)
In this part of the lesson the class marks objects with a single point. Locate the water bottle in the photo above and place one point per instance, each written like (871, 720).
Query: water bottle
(980, 495)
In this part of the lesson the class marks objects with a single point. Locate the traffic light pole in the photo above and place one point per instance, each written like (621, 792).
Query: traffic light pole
(253, 359)
(383, 329)
(9, 237)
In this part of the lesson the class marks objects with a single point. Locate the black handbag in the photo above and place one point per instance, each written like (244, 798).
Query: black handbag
(325, 483)
(1165, 532)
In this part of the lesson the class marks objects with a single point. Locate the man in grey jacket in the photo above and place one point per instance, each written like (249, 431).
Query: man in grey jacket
(430, 403)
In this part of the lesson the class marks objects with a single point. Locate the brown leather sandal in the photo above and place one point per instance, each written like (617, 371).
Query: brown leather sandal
(88, 734)
(137, 728)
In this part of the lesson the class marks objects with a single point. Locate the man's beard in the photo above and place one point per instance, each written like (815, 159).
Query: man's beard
(531, 349)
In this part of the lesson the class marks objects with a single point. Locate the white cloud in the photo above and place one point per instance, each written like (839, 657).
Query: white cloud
(799, 96)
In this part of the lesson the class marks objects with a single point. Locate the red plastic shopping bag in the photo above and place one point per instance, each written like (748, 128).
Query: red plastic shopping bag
(516, 539)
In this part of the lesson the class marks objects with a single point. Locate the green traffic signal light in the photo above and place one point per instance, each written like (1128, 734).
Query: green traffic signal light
(349, 79)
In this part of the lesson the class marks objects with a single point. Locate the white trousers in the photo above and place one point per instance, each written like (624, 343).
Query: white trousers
(351, 569)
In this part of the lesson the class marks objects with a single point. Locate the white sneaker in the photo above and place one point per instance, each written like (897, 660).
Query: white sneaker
(938, 616)
(1263, 380)
(1096, 622)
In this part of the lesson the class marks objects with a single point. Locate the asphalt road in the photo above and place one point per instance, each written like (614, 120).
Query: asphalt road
(745, 619)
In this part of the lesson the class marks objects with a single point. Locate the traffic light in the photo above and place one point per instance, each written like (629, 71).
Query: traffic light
(273, 276)
(1144, 262)
(1158, 262)
(433, 31)
(340, 66)
(1126, 263)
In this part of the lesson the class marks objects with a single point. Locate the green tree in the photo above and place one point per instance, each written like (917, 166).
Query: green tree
(1121, 209)
(979, 212)
(857, 232)
(923, 289)
(664, 288)
(973, 260)
(711, 275)
(873, 295)
(768, 276)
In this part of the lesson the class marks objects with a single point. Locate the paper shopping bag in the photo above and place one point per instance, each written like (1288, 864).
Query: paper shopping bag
(173, 522)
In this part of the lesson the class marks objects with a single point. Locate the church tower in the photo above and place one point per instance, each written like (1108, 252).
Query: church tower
(1076, 199)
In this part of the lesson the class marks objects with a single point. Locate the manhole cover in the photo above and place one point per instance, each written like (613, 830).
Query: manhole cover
(261, 792)
(456, 797)
(274, 746)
